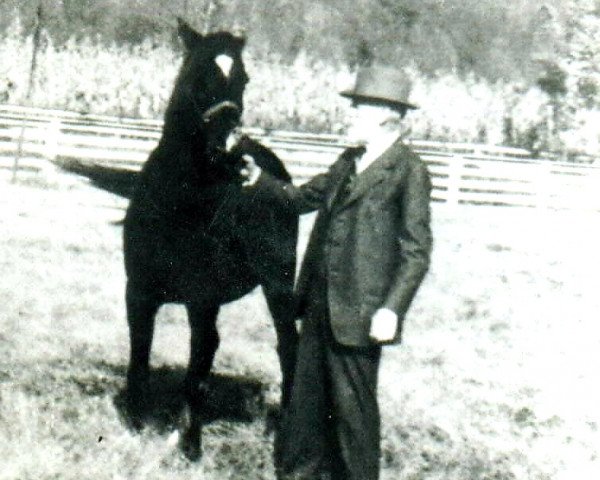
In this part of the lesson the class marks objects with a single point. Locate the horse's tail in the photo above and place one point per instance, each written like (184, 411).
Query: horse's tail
(119, 181)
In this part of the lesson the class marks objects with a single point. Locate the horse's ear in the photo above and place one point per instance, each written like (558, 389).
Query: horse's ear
(242, 40)
(190, 37)
(239, 34)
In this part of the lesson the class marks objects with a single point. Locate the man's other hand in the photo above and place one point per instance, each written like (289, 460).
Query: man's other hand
(384, 324)
(250, 171)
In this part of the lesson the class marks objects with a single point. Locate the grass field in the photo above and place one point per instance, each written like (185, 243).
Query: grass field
(497, 377)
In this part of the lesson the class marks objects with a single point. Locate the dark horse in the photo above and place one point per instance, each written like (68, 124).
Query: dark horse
(192, 235)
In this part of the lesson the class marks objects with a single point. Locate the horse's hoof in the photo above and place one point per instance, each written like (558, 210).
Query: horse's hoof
(136, 410)
(273, 419)
(134, 421)
(190, 444)
(134, 417)
(190, 438)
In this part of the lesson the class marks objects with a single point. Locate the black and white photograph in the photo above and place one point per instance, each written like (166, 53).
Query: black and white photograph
(299, 240)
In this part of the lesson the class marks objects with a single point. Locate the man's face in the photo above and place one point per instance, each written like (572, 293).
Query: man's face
(367, 120)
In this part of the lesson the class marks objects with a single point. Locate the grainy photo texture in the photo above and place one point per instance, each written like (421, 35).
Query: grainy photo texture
(289, 239)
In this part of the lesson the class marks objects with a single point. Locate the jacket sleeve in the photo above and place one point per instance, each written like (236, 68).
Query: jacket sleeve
(303, 199)
(415, 238)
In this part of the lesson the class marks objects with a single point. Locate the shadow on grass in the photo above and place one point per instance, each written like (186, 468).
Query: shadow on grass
(233, 398)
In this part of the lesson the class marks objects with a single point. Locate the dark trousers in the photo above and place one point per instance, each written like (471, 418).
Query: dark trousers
(332, 423)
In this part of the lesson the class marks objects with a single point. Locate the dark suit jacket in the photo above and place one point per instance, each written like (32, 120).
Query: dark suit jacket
(376, 242)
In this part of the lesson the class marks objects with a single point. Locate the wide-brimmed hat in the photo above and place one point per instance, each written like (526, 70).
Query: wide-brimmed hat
(381, 84)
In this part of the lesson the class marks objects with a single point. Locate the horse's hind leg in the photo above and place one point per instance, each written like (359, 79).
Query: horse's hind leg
(141, 309)
(204, 344)
(280, 300)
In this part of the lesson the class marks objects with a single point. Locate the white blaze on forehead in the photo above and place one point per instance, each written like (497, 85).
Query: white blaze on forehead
(224, 62)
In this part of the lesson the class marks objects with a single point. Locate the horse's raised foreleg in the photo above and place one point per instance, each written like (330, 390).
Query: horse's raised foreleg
(204, 344)
(281, 305)
(141, 309)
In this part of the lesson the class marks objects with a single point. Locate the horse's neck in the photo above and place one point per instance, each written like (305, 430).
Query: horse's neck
(189, 159)
(176, 144)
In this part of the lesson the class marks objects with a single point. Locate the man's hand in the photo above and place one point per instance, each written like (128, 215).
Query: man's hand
(384, 324)
(250, 171)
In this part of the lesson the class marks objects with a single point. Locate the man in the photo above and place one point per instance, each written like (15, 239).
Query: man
(367, 255)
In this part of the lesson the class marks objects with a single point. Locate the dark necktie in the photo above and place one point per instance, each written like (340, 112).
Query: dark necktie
(347, 183)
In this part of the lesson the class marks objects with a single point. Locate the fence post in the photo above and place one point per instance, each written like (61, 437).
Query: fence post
(544, 187)
(456, 165)
(36, 46)
(52, 139)
(52, 135)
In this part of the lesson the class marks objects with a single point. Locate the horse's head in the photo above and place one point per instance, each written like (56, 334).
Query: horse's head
(209, 90)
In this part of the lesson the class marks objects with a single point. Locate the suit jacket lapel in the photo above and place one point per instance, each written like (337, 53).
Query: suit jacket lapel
(348, 169)
(375, 173)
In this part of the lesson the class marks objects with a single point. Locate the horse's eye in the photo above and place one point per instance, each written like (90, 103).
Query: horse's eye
(224, 62)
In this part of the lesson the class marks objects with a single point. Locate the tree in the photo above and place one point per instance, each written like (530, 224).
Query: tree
(582, 63)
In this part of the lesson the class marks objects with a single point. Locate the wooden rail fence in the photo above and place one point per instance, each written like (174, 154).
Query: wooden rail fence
(461, 173)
